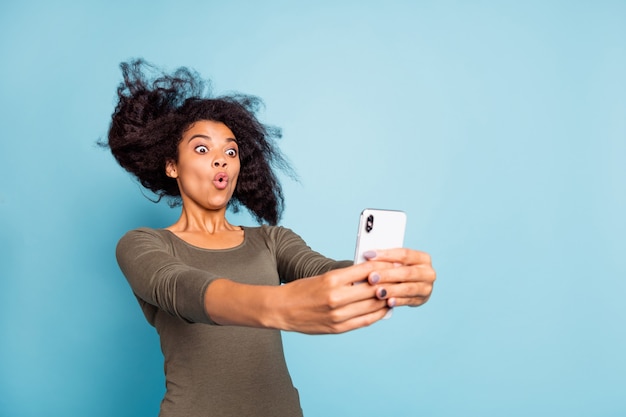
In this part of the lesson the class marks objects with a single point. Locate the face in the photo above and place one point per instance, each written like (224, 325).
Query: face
(208, 165)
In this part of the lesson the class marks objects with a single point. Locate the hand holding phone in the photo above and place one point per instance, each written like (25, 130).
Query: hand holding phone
(384, 229)
(379, 229)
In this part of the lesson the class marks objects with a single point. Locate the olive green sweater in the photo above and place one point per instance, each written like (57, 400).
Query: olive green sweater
(213, 370)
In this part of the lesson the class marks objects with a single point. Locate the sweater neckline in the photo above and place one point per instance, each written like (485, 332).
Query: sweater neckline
(185, 243)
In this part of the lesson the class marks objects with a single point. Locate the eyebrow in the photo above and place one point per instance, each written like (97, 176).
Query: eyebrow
(209, 138)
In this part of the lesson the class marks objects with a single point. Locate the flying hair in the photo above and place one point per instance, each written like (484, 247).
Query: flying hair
(155, 108)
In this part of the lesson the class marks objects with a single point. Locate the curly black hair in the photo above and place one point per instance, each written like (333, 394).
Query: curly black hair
(154, 109)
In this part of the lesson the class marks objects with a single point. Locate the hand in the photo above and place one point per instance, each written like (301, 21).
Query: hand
(331, 303)
(409, 283)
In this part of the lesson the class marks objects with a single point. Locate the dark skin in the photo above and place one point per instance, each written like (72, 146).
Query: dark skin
(206, 171)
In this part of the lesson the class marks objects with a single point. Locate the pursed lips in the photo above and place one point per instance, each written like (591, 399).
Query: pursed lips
(221, 180)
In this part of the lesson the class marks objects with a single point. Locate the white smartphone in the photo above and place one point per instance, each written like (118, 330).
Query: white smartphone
(379, 229)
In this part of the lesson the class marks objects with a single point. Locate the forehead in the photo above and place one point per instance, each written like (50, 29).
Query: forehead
(209, 128)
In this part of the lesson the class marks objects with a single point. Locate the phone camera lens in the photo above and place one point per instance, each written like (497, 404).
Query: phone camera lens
(369, 225)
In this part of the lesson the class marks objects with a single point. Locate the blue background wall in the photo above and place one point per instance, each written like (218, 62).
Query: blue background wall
(500, 127)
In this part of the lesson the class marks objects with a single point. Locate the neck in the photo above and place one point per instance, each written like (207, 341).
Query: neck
(206, 221)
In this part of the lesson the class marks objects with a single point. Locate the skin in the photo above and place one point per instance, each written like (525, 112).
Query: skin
(327, 303)
(206, 149)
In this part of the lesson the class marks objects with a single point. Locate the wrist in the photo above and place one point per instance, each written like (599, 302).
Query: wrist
(271, 312)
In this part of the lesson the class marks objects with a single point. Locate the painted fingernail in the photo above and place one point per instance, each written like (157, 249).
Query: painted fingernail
(388, 315)
(391, 303)
(382, 293)
(374, 278)
(370, 254)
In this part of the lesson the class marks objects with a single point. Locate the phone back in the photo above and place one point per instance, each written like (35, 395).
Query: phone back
(379, 229)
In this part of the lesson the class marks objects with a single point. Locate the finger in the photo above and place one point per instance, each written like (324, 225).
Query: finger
(356, 309)
(362, 320)
(414, 273)
(351, 294)
(403, 256)
(381, 293)
(356, 273)
(415, 293)
(332, 294)
(410, 302)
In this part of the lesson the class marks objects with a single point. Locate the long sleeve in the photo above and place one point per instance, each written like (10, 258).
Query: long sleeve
(228, 370)
(160, 279)
(295, 259)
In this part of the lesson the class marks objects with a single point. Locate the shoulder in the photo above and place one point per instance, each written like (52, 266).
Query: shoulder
(145, 232)
(144, 237)
(273, 237)
(273, 233)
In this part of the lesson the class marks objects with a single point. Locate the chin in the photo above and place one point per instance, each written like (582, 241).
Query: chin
(217, 205)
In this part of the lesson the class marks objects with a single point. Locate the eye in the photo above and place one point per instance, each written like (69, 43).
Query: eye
(232, 152)
(201, 149)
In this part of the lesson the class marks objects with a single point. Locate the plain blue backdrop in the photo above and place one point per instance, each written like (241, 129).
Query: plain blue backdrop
(499, 127)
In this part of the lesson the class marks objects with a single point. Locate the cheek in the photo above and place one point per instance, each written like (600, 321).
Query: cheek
(236, 168)
(235, 177)
(197, 168)
(193, 175)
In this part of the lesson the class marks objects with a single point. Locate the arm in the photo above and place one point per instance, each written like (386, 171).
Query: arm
(327, 303)
(295, 259)
(410, 281)
(160, 279)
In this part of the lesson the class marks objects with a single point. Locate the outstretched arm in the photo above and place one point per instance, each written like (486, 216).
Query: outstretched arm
(328, 303)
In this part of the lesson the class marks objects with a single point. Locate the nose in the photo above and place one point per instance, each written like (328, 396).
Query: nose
(219, 162)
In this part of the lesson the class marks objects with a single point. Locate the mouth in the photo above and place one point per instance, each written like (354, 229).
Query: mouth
(221, 180)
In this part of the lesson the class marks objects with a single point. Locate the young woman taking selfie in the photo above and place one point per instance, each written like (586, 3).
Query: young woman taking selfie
(219, 293)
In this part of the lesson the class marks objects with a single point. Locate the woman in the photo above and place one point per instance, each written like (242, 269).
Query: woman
(212, 289)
